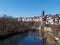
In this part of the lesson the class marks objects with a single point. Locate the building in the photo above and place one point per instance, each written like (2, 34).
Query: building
(47, 19)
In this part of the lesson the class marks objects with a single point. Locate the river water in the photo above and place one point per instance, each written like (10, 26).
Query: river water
(27, 38)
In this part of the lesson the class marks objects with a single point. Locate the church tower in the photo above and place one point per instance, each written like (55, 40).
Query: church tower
(43, 13)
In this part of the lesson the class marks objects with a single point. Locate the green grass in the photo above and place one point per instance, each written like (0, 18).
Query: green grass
(58, 36)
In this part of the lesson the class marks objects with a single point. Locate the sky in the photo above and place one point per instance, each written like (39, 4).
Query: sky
(28, 8)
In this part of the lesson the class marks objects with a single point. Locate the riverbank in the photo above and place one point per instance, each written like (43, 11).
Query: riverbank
(11, 34)
(52, 34)
(4, 36)
(10, 26)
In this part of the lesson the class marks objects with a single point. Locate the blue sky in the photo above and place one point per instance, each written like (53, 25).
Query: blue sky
(28, 8)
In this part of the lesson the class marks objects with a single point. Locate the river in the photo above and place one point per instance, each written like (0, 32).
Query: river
(27, 38)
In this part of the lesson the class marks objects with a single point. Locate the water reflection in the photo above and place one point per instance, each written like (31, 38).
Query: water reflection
(27, 38)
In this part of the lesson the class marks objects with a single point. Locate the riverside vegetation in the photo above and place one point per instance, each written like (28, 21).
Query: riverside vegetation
(10, 25)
